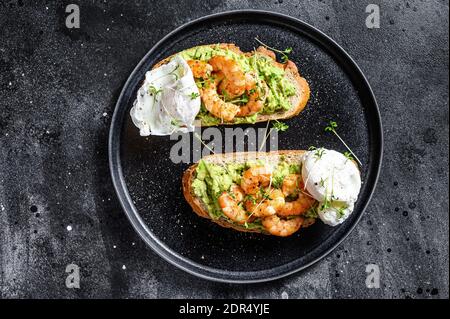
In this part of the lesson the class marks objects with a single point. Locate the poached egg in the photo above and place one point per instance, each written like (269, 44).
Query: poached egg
(334, 181)
(168, 101)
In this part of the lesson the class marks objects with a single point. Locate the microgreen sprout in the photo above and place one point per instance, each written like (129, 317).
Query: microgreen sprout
(318, 153)
(153, 90)
(348, 155)
(278, 126)
(284, 54)
(331, 127)
(175, 122)
(322, 182)
(203, 143)
(194, 95)
(341, 212)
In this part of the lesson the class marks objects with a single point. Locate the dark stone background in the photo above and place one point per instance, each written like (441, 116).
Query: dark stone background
(58, 88)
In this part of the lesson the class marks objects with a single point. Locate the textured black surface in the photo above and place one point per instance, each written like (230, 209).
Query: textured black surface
(58, 89)
(153, 180)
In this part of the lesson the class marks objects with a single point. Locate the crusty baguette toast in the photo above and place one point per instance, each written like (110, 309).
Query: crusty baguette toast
(298, 101)
(200, 208)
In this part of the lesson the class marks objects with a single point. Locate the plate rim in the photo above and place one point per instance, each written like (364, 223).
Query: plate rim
(162, 249)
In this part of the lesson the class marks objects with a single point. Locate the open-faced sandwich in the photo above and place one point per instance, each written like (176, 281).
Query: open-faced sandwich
(273, 193)
(218, 84)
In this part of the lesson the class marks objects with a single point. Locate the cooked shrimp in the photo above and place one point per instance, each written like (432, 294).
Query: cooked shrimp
(229, 203)
(255, 177)
(266, 207)
(234, 81)
(215, 105)
(297, 207)
(200, 69)
(292, 183)
(256, 99)
(282, 227)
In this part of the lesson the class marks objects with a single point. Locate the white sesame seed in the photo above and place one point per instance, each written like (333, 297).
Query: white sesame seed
(69, 228)
(123, 267)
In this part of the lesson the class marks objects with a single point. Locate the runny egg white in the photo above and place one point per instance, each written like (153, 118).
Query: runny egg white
(334, 181)
(168, 101)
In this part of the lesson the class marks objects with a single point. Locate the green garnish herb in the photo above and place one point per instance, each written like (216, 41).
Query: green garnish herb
(175, 122)
(348, 155)
(278, 181)
(322, 182)
(331, 127)
(319, 153)
(153, 90)
(341, 211)
(280, 126)
(194, 95)
(264, 194)
(250, 198)
(284, 54)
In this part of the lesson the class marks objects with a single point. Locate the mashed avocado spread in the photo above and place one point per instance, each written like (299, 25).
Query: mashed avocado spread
(280, 89)
(213, 179)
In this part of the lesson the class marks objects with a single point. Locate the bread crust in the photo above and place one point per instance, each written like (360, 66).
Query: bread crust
(298, 101)
(290, 156)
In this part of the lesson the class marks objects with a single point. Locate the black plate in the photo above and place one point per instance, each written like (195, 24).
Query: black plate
(148, 184)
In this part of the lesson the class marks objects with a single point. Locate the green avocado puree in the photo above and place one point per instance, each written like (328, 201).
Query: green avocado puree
(213, 179)
(280, 88)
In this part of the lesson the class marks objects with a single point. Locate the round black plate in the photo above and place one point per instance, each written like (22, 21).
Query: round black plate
(148, 184)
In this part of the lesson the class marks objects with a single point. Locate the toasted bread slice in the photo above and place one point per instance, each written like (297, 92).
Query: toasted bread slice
(298, 101)
(201, 209)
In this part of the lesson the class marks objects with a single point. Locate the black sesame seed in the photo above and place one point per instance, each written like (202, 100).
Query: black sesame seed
(419, 290)
(389, 250)
(33, 209)
(405, 213)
